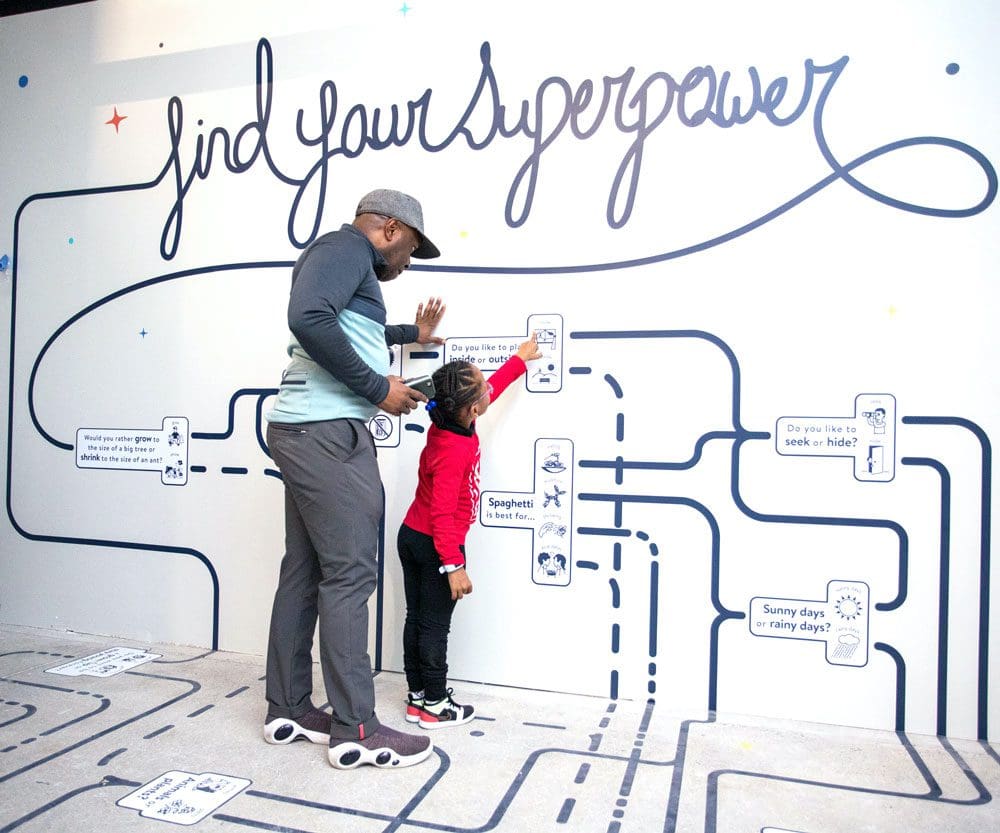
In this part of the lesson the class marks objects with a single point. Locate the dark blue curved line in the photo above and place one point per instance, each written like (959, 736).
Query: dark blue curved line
(984, 796)
(934, 789)
(131, 545)
(105, 703)
(195, 687)
(197, 469)
(621, 465)
(897, 658)
(273, 473)
(843, 170)
(934, 792)
(943, 585)
(28, 711)
(904, 541)
(184, 273)
(13, 299)
(840, 172)
(616, 598)
(10, 421)
(713, 525)
(261, 393)
(985, 527)
(412, 426)
(235, 470)
(259, 425)
(580, 371)
(613, 384)
(180, 661)
(588, 565)
(700, 334)
(107, 781)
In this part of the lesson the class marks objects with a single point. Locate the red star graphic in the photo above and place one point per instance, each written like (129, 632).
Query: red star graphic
(116, 120)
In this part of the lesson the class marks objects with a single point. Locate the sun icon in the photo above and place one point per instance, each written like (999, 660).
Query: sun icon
(849, 607)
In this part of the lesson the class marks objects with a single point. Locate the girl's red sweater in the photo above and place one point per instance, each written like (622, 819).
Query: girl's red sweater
(447, 500)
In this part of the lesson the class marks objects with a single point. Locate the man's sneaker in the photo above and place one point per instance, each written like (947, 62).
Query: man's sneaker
(314, 725)
(413, 707)
(385, 748)
(443, 713)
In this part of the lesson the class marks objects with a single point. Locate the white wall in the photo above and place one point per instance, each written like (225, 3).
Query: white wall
(733, 289)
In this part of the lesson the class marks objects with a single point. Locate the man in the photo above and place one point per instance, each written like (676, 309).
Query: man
(318, 436)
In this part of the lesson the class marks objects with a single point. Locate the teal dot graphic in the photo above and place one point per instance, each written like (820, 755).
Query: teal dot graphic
(72, 241)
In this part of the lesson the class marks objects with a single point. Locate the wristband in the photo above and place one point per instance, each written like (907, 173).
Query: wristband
(450, 568)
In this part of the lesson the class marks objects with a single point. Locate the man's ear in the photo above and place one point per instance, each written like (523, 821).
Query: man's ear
(391, 229)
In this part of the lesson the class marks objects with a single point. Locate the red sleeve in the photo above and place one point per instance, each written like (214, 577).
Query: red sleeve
(510, 370)
(450, 482)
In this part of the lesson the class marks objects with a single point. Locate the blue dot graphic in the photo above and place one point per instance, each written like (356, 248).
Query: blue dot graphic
(952, 69)
(22, 81)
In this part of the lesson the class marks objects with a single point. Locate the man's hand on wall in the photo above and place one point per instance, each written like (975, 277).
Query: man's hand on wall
(428, 317)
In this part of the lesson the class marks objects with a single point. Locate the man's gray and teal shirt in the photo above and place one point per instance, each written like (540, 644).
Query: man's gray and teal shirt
(339, 338)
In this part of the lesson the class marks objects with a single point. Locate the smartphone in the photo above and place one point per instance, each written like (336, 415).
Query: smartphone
(424, 384)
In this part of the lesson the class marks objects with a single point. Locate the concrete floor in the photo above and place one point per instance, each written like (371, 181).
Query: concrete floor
(178, 739)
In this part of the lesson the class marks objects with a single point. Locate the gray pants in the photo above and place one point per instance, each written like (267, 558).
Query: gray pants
(333, 506)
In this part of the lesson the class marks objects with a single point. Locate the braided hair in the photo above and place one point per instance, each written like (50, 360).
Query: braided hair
(455, 386)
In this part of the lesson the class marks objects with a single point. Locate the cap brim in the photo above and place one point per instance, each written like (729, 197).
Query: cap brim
(426, 249)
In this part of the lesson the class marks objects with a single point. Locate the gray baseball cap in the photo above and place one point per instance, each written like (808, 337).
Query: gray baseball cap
(404, 208)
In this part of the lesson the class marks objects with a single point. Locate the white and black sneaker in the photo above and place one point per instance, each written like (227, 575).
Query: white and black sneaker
(443, 713)
(313, 726)
(414, 703)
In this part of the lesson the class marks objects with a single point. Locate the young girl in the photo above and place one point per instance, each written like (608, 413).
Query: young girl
(431, 539)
